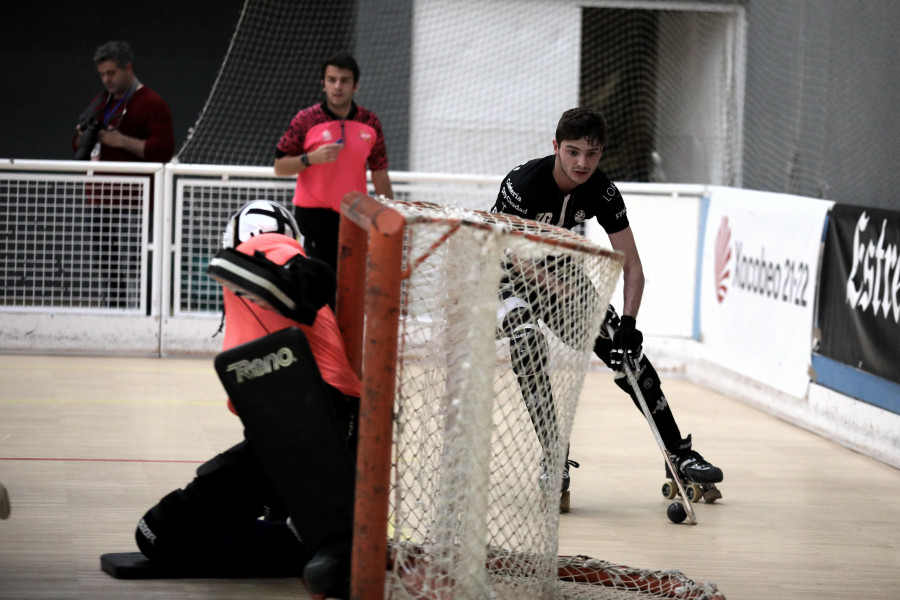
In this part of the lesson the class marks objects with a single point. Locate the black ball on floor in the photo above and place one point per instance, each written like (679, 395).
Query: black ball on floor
(676, 512)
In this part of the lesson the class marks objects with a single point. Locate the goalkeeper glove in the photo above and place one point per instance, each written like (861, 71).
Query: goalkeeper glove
(296, 290)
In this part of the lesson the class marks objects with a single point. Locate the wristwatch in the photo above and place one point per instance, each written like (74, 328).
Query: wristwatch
(304, 158)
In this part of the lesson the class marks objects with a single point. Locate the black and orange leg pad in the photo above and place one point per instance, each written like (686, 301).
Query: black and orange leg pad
(290, 420)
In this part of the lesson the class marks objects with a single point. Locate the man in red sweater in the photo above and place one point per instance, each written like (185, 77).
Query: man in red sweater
(126, 122)
(134, 123)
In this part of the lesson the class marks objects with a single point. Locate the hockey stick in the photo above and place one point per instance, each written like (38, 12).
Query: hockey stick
(632, 381)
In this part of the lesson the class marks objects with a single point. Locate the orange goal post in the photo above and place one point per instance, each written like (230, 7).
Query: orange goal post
(464, 428)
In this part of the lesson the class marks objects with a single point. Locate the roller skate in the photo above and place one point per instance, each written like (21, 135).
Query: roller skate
(564, 495)
(698, 476)
(566, 480)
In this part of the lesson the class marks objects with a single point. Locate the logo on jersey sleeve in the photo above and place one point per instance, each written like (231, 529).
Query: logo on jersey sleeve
(580, 217)
(611, 192)
(511, 199)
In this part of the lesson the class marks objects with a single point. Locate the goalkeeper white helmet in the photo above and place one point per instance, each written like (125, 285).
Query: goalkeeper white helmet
(258, 217)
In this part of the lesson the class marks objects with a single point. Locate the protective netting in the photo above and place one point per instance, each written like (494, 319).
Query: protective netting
(819, 84)
(498, 318)
(270, 72)
(777, 95)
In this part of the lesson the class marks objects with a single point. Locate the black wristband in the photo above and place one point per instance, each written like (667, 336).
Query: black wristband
(304, 158)
(627, 322)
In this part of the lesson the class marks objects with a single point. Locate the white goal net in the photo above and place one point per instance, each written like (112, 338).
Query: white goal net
(493, 322)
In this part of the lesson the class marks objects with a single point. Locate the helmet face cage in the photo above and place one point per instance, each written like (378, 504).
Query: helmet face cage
(258, 217)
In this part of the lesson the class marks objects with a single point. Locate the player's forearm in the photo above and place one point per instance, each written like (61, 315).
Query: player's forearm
(289, 165)
(632, 271)
(382, 183)
(135, 146)
(116, 139)
(632, 292)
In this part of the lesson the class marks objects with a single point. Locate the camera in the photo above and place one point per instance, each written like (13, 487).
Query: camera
(90, 129)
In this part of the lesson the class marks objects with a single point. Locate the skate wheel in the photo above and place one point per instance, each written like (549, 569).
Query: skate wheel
(669, 490)
(564, 502)
(693, 492)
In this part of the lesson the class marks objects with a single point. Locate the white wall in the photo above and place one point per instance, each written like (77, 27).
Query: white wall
(490, 79)
(666, 230)
(484, 108)
(697, 130)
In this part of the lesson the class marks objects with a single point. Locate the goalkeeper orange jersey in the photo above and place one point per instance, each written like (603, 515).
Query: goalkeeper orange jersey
(246, 321)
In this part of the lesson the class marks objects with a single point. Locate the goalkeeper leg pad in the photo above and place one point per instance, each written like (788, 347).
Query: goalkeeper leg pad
(290, 421)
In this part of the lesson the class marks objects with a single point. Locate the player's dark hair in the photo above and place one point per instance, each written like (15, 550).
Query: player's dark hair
(342, 60)
(118, 52)
(582, 122)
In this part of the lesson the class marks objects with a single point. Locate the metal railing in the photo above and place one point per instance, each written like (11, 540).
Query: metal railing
(112, 259)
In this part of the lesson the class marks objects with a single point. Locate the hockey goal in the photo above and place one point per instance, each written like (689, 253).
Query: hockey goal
(461, 449)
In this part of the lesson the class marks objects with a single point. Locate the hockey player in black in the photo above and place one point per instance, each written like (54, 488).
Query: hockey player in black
(566, 189)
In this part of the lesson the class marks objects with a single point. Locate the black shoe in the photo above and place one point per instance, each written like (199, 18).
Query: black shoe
(328, 571)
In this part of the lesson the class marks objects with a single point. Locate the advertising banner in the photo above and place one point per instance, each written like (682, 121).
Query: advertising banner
(859, 299)
(758, 284)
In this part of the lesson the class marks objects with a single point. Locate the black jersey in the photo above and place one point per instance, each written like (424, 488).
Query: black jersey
(529, 191)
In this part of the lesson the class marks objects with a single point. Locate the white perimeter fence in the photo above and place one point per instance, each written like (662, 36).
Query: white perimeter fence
(110, 259)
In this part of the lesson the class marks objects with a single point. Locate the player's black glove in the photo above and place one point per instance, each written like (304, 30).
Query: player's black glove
(626, 344)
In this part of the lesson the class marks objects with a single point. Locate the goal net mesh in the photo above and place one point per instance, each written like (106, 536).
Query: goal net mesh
(497, 321)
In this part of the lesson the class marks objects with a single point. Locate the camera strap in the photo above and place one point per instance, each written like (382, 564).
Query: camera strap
(93, 110)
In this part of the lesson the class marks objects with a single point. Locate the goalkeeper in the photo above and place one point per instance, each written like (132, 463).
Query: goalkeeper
(244, 512)
(566, 189)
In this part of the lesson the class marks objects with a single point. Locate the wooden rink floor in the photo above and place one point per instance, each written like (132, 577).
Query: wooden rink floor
(88, 444)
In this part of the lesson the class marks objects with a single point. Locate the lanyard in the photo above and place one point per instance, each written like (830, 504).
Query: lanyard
(111, 112)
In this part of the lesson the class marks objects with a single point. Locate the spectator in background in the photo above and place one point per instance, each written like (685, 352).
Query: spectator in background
(328, 146)
(131, 122)
(126, 122)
